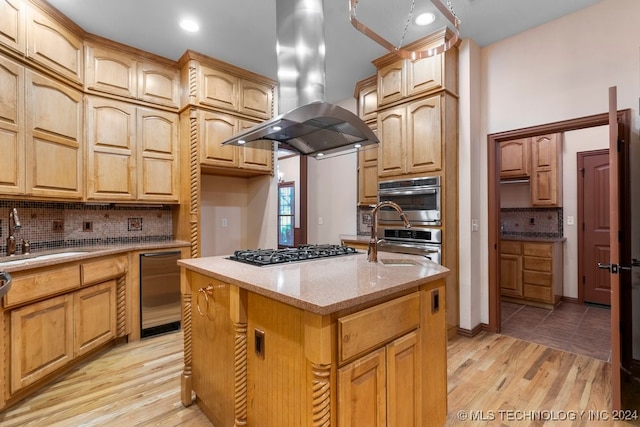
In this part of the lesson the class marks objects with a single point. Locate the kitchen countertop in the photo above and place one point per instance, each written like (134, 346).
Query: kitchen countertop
(354, 238)
(534, 239)
(326, 285)
(33, 260)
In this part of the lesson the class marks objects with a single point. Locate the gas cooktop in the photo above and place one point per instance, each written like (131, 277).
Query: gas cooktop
(262, 257)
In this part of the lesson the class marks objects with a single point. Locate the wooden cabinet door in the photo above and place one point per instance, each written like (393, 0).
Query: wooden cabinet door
(215, 128)
(362, 391)
(54, 125)
(158, 83)
(392, 132)
(110, 71)
(404, 386)
(111, 159)
(95, 316)
(514, 158)
(54, 46)
(158, 159)
(256, 99)
(511, 275)
(391, 83)
(424, 75)
(41, 340)
(546, 175)
(217, 89)
(368, 175)
(258, 157)
(12, 127)
(12, 24)
(424, 136)
(368, 99)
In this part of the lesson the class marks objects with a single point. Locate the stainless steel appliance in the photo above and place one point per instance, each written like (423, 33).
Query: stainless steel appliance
(160, 308)
(262, 257)
(419, 199)
(417, 241)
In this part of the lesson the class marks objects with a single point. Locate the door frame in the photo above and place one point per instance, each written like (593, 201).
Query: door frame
(493, 191)
(580, 179)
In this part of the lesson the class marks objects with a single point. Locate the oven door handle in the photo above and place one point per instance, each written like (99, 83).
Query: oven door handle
(407, 248)
(407, 192)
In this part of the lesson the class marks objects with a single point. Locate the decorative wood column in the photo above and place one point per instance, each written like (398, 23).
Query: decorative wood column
(317, 343)
(186, 385)
(238, 314)
(121, 306)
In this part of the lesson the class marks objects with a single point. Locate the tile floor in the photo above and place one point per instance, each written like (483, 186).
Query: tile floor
(580, 329)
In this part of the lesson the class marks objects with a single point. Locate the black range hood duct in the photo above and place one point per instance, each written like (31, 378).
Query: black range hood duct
(309, 126)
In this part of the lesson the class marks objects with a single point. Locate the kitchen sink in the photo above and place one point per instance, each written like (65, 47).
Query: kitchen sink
(31, 259)
(403, 262)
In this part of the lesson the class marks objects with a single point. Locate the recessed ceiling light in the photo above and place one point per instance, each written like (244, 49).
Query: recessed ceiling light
(276, 128)
(358, 145)
(189, 25)
(242, 141)
(425, 19)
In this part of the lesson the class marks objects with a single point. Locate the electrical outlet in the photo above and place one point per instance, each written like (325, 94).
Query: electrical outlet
(224, 222)
(87, 225)
(57, 225)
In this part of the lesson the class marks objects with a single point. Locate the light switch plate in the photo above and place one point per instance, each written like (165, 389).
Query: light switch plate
(570, 220)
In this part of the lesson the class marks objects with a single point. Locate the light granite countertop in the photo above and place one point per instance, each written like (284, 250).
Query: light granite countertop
(39, 259)
(323, 286)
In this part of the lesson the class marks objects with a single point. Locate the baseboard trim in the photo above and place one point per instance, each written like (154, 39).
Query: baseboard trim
(470, 333)
(570, 300)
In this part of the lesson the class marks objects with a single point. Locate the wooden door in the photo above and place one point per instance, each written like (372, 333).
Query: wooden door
(362, 391)
(593, 234)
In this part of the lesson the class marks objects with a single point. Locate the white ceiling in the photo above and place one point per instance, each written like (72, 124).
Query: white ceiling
(243, 33)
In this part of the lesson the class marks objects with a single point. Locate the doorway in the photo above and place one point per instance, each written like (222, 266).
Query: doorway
(593, 232)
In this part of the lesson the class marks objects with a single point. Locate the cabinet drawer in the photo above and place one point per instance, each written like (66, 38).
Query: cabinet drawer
(537, 264)
(537, 278)
(538, 249)
(34, 286)
(510, 247)
(103, 269)
(541, 293)
(366, 329)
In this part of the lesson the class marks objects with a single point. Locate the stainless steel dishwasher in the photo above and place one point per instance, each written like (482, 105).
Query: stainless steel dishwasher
(160, 308)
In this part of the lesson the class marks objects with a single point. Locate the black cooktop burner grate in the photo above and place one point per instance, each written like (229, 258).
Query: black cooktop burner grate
(262, 257)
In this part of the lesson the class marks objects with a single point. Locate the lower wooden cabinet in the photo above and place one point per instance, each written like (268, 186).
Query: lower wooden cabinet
(531, 272)
(383, 387)
(94, 317)
(41, 340)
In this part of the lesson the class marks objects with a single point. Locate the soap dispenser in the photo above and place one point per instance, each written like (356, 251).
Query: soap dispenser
(26, 247)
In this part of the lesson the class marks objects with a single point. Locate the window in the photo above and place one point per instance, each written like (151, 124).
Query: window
(286, 213)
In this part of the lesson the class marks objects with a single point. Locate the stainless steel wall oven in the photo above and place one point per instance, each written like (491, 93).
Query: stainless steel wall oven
(418, 241)
(419, 199)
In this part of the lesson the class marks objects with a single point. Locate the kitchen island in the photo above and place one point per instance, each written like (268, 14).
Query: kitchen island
(316, 343)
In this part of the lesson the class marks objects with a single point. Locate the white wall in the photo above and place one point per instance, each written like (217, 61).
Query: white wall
(332, 195)
(558, 71)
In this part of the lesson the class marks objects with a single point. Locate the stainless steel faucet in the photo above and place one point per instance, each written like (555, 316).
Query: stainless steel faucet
(14, 224)
(372, 253)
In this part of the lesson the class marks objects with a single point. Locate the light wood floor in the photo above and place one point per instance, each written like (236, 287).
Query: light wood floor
(137, 384)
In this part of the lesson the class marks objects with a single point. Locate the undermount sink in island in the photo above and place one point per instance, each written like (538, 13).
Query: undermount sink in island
(316, 343)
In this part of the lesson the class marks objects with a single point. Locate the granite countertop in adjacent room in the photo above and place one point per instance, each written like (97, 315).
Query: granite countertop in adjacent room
(533, 238)
(326, 285)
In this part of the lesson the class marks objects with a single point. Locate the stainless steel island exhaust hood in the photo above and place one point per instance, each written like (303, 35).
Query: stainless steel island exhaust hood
(309, 126)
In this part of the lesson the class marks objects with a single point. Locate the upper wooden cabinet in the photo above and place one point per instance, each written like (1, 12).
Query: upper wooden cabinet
(54, 134)
(214, 84)
(217, 127)
(12, 25)
(54, 45)
(132, 152)
(404, 78)
(515, 159)
(546, 170)
(366, 94)
(12, 128)
(113, 70)
(368, 177)
(411, 138)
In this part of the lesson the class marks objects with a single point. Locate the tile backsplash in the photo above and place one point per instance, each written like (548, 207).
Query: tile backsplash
(531, 222)
(52, 225)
